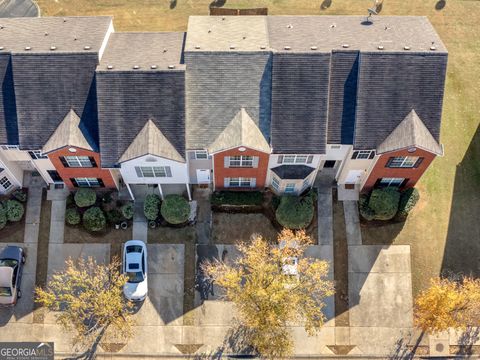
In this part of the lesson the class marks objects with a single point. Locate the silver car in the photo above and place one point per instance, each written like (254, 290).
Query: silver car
(135, 267)
(12, 259)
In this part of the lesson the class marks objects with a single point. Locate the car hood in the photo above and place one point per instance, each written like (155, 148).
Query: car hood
(7, 300)
(135, 291)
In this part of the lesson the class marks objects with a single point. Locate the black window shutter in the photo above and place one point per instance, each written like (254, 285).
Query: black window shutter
(355, 154)
(404, 182)
(419, 161)
(64, 162)
(92, 160)
(309, 159)
(280, 159)
(377, 183)
(100, 182)
(74, 182)
(372, 154)
(389, 162)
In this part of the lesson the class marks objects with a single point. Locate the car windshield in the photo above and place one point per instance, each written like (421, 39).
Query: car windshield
(134, 248)
(135, 277)
(8, 262)
(5, 291)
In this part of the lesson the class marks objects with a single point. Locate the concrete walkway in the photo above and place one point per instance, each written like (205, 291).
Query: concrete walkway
(35, 186)
(140, 226)
(352, 222)
(204, 215)
(58, 197)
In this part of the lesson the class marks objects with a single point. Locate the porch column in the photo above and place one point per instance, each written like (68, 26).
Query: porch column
(188, 192)
(160, 190)
(130, 191)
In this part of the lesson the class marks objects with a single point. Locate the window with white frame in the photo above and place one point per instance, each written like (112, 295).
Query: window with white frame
(295, 159)
(363, 154)
(37, 154)
(391, 182)
(241, 161)
(78, 161)
(201, 154)
(153, 171)
(87, 182)
(289, 188)
(403, 161)
(305, 184)
(240, 182)
(275, 183)
(5, 183)
(10, 147)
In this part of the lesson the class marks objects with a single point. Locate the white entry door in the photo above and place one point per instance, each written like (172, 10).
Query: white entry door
(203, 176)
(354, 177)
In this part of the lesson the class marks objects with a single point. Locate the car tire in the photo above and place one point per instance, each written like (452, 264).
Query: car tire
(23, 259)
(19, 294)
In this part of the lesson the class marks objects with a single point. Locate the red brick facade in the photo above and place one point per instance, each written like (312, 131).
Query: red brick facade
(220, 172)
(381, 170)
(66, 173)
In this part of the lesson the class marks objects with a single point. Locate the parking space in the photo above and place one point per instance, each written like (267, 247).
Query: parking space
(59, 253)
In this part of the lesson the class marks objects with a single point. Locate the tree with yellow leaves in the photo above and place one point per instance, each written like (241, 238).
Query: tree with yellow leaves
(273, 286)
(89, 301)
(448, 304)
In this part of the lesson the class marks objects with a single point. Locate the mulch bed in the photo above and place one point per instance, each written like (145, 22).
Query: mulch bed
(13, 232)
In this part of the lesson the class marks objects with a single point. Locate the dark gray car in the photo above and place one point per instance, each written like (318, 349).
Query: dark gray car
(12, 259)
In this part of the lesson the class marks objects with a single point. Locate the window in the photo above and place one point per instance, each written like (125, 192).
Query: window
(305, 184)
(404, 162)
(201, 154)
(363, 154)
(37, 154)
(10, 147)
(391, 182)
(241, 161)
(87, 182)
(78, 161)
(289, 188)
(153, 171)
(295, 159)
(5, 183)
(275, 183)
(240, 182)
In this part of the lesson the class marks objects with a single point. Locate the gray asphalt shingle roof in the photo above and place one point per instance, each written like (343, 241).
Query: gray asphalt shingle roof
(144, 50)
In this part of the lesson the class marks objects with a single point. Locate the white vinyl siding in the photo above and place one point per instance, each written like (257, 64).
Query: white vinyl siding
(78, 161)
(391, 181)
(153, 171)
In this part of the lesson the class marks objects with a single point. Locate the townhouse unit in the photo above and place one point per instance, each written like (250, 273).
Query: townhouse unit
(245, 102)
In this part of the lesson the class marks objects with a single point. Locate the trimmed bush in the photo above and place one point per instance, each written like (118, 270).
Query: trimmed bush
(364, 209)
(296, 212)
(72, 216)
(85, 197)
(384, 203)
(14, 210)
(237, 198)
(408, 200)
(3, 216)
(114, 216)
(20, 195)
(151, 206)
(175, 209)
(127, 211)
(94, 219)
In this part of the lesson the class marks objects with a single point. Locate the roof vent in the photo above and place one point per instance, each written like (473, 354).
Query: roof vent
(406, 47)
(244, 37)
(232, 47)
(289, 26)
(345, 46)
(53, 48)
(1, 47)
(153, 67)
(380, 47)
(46, 33)
(333, 26)
(64, 20)
(287, 47)
(263, 47)
(197, 46)
(313, 48)
(209, 31)
(28, 48)
(86, 47)
(136, 67)
(109, 67)
(171, 66)
(433, 48)
(223, 17)
(75, 38)
(164, 50)
(2, 27)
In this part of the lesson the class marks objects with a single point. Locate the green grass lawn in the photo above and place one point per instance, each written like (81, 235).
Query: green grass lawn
(444, 229)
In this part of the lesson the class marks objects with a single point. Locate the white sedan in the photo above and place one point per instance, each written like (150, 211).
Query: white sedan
(135, 267)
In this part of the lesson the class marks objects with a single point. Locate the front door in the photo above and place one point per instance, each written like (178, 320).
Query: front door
(203, 176)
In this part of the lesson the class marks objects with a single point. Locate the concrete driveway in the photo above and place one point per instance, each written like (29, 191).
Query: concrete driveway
(18, 8)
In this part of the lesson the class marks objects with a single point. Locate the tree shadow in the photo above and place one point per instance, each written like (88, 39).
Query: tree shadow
(173, 4)
(467, 340)
(325, 4)
(440, 5)
(403, 350)
(462, 248)
(217, 3)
